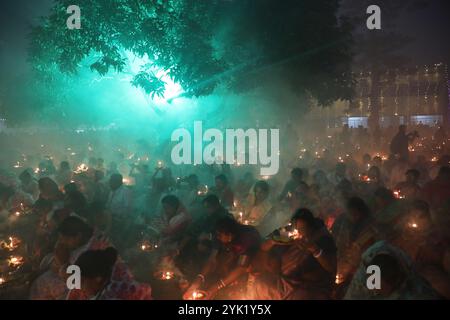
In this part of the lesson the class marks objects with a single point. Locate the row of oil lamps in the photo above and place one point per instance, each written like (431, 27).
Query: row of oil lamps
(13, 261)
(170, 275)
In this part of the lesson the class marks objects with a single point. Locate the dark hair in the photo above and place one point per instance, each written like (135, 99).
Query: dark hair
(73, 226)
(384, 194)
(70, 187)
(297, 172)
(307, 216)
(212, 200)
(223, 178)
(42, 204)
(376, 169)
(64, 164)
(192, 180)
(171, 200)
(47, 182)
(423, 207)
(345, 185)
(391, 272)
(359, 205)
(77, 200)
(97, 263)
(227, 225)
(414, 172)
(116, 177)
(263, 185)
(25, 175)
(444, 172)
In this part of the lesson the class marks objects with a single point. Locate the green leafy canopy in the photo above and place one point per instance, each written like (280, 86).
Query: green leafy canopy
(203, 44)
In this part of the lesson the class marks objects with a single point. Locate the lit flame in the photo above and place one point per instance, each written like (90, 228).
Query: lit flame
(197, 295)
(249, 222)
(15, 261)
(293, 234)
(413, 225)
(398, 195)
(167, 275)
(82, 168)
(147, 246)
(203, 191)
(11, 245)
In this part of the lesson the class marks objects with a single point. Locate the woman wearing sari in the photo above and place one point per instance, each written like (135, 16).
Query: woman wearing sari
(303, 269)
(98, 281)
(74, 237)
(399, 278)
(353, 232)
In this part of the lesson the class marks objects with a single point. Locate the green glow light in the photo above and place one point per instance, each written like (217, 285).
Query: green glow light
(172, 89)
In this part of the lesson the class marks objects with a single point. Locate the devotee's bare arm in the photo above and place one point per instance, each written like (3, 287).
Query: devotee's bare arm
(222, 283)
(327, 260)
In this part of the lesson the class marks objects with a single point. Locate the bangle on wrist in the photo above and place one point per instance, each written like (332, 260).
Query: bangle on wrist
(318, 254)
(201, 277)
(221, 285)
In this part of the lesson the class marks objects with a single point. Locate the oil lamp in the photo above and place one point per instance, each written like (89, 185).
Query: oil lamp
(165, 275)
(15, 261)
(197, 295)
(11, 245)
(147, 246)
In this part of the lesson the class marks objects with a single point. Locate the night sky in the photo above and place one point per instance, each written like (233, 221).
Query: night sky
(428, 29)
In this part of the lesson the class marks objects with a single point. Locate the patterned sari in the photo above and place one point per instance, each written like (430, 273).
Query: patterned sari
(51, 285)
